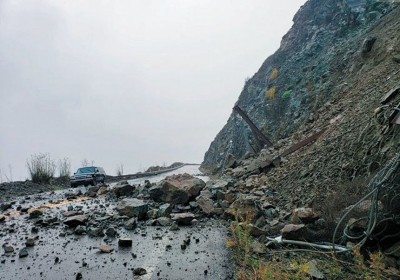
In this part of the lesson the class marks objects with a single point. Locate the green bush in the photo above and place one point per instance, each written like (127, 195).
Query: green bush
(41, 168)
(287, 94)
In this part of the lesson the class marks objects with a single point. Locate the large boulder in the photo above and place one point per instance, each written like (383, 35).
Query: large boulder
(206, 204)
(133, 207)
(246, 206)
(123, 189)
(75, 221)
(177, 189)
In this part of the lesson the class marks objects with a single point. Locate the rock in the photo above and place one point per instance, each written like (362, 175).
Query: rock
(193, 204)
(52, 220)
(260, 222)
(258, 247)
(147, 184)
(139, 271)
(30, 242)
(35, 213)
(123, 190)
(95, 232)
(92, 191)
(111, 232)
(80, 229)
(164, 210)
(130, 224)
(177, 189)
(8, 248)
(74, 221)
(230, 197)
(313, 270)
(102, 190)
(5, 206)
(152, 214)
(219, 184)
(368, 44)
(256, 231)
(183, 218)
(71, 213)
(396, 58)
(125, 242)
(206, 205)
(2, 218)
(304, 215)
(293, 232)
(133, 207)
(23, 253)
(224, 204)
(163, 221)
(245, 205)
(174, 227)
(230, 162)
(105, 249)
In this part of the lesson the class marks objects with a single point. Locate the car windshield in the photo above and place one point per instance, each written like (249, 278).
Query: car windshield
(84, 170)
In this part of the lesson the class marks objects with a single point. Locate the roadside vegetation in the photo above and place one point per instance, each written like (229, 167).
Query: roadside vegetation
(64, 167)
(41, 168)
(294, 263)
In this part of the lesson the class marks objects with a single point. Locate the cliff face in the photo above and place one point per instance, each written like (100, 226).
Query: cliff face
(306, 72)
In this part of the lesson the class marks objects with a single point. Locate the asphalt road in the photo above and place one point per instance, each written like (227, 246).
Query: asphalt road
(156, 249)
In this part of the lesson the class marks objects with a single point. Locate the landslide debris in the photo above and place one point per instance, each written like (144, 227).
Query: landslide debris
(336, 77)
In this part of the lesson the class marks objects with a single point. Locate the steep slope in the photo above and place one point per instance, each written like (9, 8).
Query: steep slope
(311, 68)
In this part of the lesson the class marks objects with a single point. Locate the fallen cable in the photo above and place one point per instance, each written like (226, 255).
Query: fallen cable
(280, 240)
(376, 183)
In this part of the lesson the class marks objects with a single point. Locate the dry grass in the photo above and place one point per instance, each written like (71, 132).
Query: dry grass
(271, 93)
(41, 168)
(296, 264)
(275, 74)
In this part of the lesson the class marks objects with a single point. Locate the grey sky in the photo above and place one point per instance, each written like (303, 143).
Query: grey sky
(132, 82)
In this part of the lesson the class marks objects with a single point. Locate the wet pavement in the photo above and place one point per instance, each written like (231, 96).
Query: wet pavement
(192, 252)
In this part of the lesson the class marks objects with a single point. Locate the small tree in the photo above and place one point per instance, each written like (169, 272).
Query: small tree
(64, 166)
(41, 168)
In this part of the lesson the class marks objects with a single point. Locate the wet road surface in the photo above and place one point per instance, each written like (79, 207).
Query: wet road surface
(60, 254)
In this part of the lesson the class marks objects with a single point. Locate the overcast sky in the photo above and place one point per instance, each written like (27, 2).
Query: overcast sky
(128, 81)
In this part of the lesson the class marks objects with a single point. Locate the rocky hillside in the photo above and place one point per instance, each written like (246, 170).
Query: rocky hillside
(335, 47)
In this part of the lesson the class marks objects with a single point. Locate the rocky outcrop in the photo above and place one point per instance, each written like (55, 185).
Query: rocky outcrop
(300, 77)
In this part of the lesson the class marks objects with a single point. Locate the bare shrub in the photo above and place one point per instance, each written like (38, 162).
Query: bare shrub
(85, 163)
(41, 168)
(64, 167)
(120, 169)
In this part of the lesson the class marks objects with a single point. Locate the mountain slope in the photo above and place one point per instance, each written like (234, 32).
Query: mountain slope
(312, 67)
